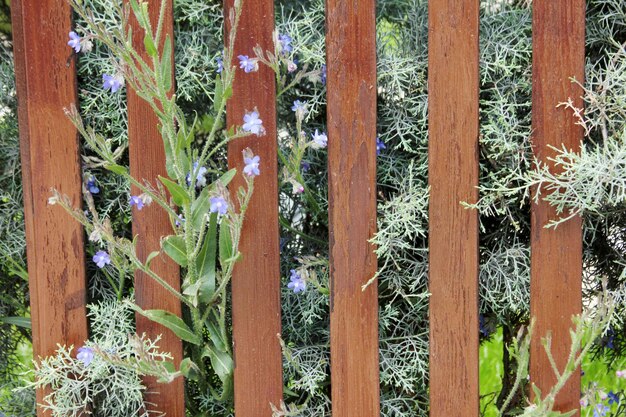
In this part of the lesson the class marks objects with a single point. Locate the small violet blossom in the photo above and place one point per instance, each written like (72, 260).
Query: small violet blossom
(252, 165)
(380, 145)
(248, 64)
(136, 201)
(320, 140)
(112, 82)
(613, 398)
(621, 374)
(285, 43)
(74, 41)
(252, 123)
(85, 355)
(305, 166)
(101, 258)
(91, 185)
(292, 66)
(220, 64)
(600, 410)
(179, 221)
(200, 176)
(297, 284)
(299, 107)
(323, 74)
(218, 205)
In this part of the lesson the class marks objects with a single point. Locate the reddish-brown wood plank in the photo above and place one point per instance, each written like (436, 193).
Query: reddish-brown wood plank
(147, 162)
(453, 231)
(46, 83)
(556, 254)
(351, 114)
(256, 278)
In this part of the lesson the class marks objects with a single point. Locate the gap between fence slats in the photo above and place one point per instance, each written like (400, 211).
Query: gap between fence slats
(256, 277)
(556, 254)
(147, 162)
(46, 83)
(453, 230)
(351, 114)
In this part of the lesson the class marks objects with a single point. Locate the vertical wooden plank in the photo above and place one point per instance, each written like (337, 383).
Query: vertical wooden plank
(453, 176)
(46, 83)
(556, 254)
(147, 162)
(351, 115)
(256, 278)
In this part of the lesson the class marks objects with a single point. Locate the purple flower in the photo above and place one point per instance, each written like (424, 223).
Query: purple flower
(248, 64)
(621, 374)
(297, 284)
(200, 175)
(323, 74)
(600, 410)
(299, 106)
(320, 140)
(220, 64)
(252, 166)
(74, 41)
(85, 354)
(380, 145)
(613, 398)
(218, 205)
(292, 66)
(112, 82)
(252, 123)
(179, 221)
(101, 258)
(305, 166)
(285, 43)
(136, 201)
(91, 185)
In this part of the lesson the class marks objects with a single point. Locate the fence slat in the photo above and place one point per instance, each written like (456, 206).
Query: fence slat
(351, 113)
(46, 83)
(453, 177)
(256, 278)
(556, 254)
(147, 162)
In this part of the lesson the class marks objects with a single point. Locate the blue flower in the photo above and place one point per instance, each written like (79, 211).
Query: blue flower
(600, 410)
(220, 64)
(285, 43)
(380, 145)
(91, 185)
(323, 74)
(85, 354)
(218, 205)
(297, 284)
(613, 398)
(200, 175)
(74, 41)
(136, 201)
(248, 64)
(320, 140)
(101, 258)
(305, 166)
(299, 106)
(112, 82)
(252, 166)
(608, 340)
(252, 123)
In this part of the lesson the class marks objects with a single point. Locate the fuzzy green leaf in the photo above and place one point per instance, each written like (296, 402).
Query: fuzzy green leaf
(166, 64)
(172, 322)
(205, 263)
(179, 194)
(174, 246)
(148, 42)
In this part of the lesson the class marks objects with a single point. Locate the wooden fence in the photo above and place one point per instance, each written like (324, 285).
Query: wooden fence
(46, 82)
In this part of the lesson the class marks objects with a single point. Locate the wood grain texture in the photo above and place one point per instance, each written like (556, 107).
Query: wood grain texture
(351, 114)
(256, 278)
(453, 230)
(556, 254)
(147, 162)
(46, 83)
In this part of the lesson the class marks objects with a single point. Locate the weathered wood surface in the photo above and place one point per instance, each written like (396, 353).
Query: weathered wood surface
(556, 254)
(351, 112)
(147, 162)
(453, 230)
(46, 84)
(256, 278)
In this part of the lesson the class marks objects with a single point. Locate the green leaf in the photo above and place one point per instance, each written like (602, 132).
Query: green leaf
(148, 42)
(222, 364)
(17, 321)
(172, 322)
(174, 246)
(215, 336)
(189, 369)
(219, 93)
(179, 194)
(228, 177)
(151, 256)
(117, 169)
(205, 263)
(226, 243)
(199, 208)
(166, 64)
